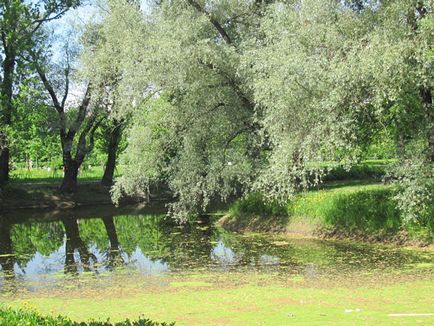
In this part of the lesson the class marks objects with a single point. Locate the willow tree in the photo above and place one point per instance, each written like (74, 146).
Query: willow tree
(106, 58)
(329, 77)
(197, 133)
(256, 95)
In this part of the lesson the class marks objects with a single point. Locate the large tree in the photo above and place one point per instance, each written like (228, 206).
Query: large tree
(20, 21)
(77, 137)
(199, 133)
(257, 95)
(75, 101)
(329, 78)
(103, 59)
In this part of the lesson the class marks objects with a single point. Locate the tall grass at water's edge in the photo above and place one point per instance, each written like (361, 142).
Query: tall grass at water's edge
(354, 209)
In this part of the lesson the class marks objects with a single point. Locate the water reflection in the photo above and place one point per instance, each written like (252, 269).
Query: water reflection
(110, 241)
(7, 260)
(74, 244)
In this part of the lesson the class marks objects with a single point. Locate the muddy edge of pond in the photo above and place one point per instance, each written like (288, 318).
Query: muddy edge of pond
(311, 228)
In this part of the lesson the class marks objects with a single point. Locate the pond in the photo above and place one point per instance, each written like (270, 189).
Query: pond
(103, 250)
(105, 242)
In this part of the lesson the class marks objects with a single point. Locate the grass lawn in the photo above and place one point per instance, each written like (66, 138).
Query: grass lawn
(244, 299)
(43, 176)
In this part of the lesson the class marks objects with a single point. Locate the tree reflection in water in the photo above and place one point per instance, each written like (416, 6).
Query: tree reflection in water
(113, 255)
(7, 258)
(75, 243)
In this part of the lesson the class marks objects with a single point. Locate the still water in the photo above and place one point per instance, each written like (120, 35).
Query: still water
(43, 250)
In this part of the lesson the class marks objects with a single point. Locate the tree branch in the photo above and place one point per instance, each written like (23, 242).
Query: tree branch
(213, 21)
(46, 83)
(67, 72)
(81, 114)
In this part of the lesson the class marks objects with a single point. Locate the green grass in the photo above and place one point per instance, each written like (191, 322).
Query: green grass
(253, 213)
(245, 299)
(360, 207)
(367, 211)
(39, 175)
(29, 317)
(254, 204)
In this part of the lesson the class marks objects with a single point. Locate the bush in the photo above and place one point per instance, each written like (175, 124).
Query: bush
(12, 317)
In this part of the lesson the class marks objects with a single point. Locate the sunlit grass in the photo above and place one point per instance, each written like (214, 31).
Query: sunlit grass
(245, 299)
(348, 207)
(44, 175)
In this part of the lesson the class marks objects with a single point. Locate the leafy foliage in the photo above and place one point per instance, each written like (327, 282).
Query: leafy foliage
(28, 317)
(228, 98)
(257, 104)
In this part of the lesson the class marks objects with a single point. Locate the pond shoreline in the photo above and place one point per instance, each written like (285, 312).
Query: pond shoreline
(302, 223)
(366, 213)
(309, 229)
(48, 196)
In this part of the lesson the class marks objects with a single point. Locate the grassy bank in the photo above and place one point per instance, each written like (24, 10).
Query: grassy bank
(359, 211)
(11, 317)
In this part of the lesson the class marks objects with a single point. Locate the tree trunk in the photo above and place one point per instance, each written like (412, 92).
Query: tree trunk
(74, 242)
(4, 161)
(69, 183)
(114, 257)
(6, 112)
(115, 137)
(426, 96)
(111, 232)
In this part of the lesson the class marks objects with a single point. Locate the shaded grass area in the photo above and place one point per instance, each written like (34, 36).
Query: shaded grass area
(362, 211)
(262, 302)
(252, 213)
(48, 196)
(38, 187)
(366, 171)
(9, 316)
